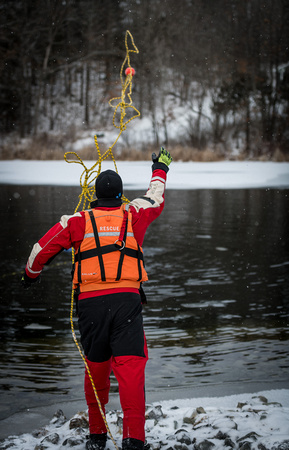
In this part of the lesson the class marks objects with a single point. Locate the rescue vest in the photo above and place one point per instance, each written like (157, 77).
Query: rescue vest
(109, 255)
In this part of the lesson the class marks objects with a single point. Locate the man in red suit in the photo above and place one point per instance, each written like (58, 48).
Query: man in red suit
(108, 276)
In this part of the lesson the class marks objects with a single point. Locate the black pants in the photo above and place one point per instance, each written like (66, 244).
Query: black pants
(111, 325)
(112, 337)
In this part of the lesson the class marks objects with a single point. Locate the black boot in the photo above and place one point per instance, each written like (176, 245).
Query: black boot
(96, 442)
(132, 444)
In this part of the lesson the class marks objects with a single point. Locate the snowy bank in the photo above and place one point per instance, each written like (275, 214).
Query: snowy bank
(246, 421)
(135, 175)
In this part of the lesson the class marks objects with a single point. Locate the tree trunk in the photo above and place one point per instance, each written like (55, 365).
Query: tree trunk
(248, 126)
(87, 88)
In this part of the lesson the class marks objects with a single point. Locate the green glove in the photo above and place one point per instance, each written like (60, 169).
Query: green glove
(163, 157)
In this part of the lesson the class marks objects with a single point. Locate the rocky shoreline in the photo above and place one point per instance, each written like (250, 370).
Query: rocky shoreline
(253, 424)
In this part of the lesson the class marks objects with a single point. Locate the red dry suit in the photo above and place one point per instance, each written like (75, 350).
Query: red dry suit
(109, 306)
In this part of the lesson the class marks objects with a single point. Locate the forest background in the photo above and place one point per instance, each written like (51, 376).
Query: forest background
(211, 83)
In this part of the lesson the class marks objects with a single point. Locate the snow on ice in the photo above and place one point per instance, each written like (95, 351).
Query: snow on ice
(135, 175)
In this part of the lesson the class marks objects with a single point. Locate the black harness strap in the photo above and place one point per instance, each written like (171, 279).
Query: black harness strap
(122, 252)
(108, 249)
(139, 258)
(79, 268)
(97, 243)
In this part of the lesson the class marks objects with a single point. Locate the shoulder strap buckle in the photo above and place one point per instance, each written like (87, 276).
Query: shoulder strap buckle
(119, 247)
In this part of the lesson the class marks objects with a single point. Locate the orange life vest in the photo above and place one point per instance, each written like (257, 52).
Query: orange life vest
(109, 255)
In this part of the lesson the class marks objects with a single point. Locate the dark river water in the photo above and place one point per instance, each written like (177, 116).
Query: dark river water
(218, 297)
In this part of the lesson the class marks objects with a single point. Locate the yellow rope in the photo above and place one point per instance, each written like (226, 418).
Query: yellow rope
(89, 175)
(126, 84)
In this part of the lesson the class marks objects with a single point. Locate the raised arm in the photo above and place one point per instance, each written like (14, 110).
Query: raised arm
(147, 208)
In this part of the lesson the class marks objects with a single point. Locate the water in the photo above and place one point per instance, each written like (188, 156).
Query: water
(218, 296)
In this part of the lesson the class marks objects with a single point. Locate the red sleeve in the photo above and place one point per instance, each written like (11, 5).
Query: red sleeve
(65, 234)
(147, 208)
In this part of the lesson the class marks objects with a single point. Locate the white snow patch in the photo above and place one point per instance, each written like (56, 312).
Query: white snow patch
(136, 175)
(262, 419)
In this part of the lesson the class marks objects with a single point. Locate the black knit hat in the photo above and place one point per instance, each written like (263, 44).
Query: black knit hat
(108, 185)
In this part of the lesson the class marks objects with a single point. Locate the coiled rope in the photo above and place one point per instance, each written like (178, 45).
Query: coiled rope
(89, 175)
